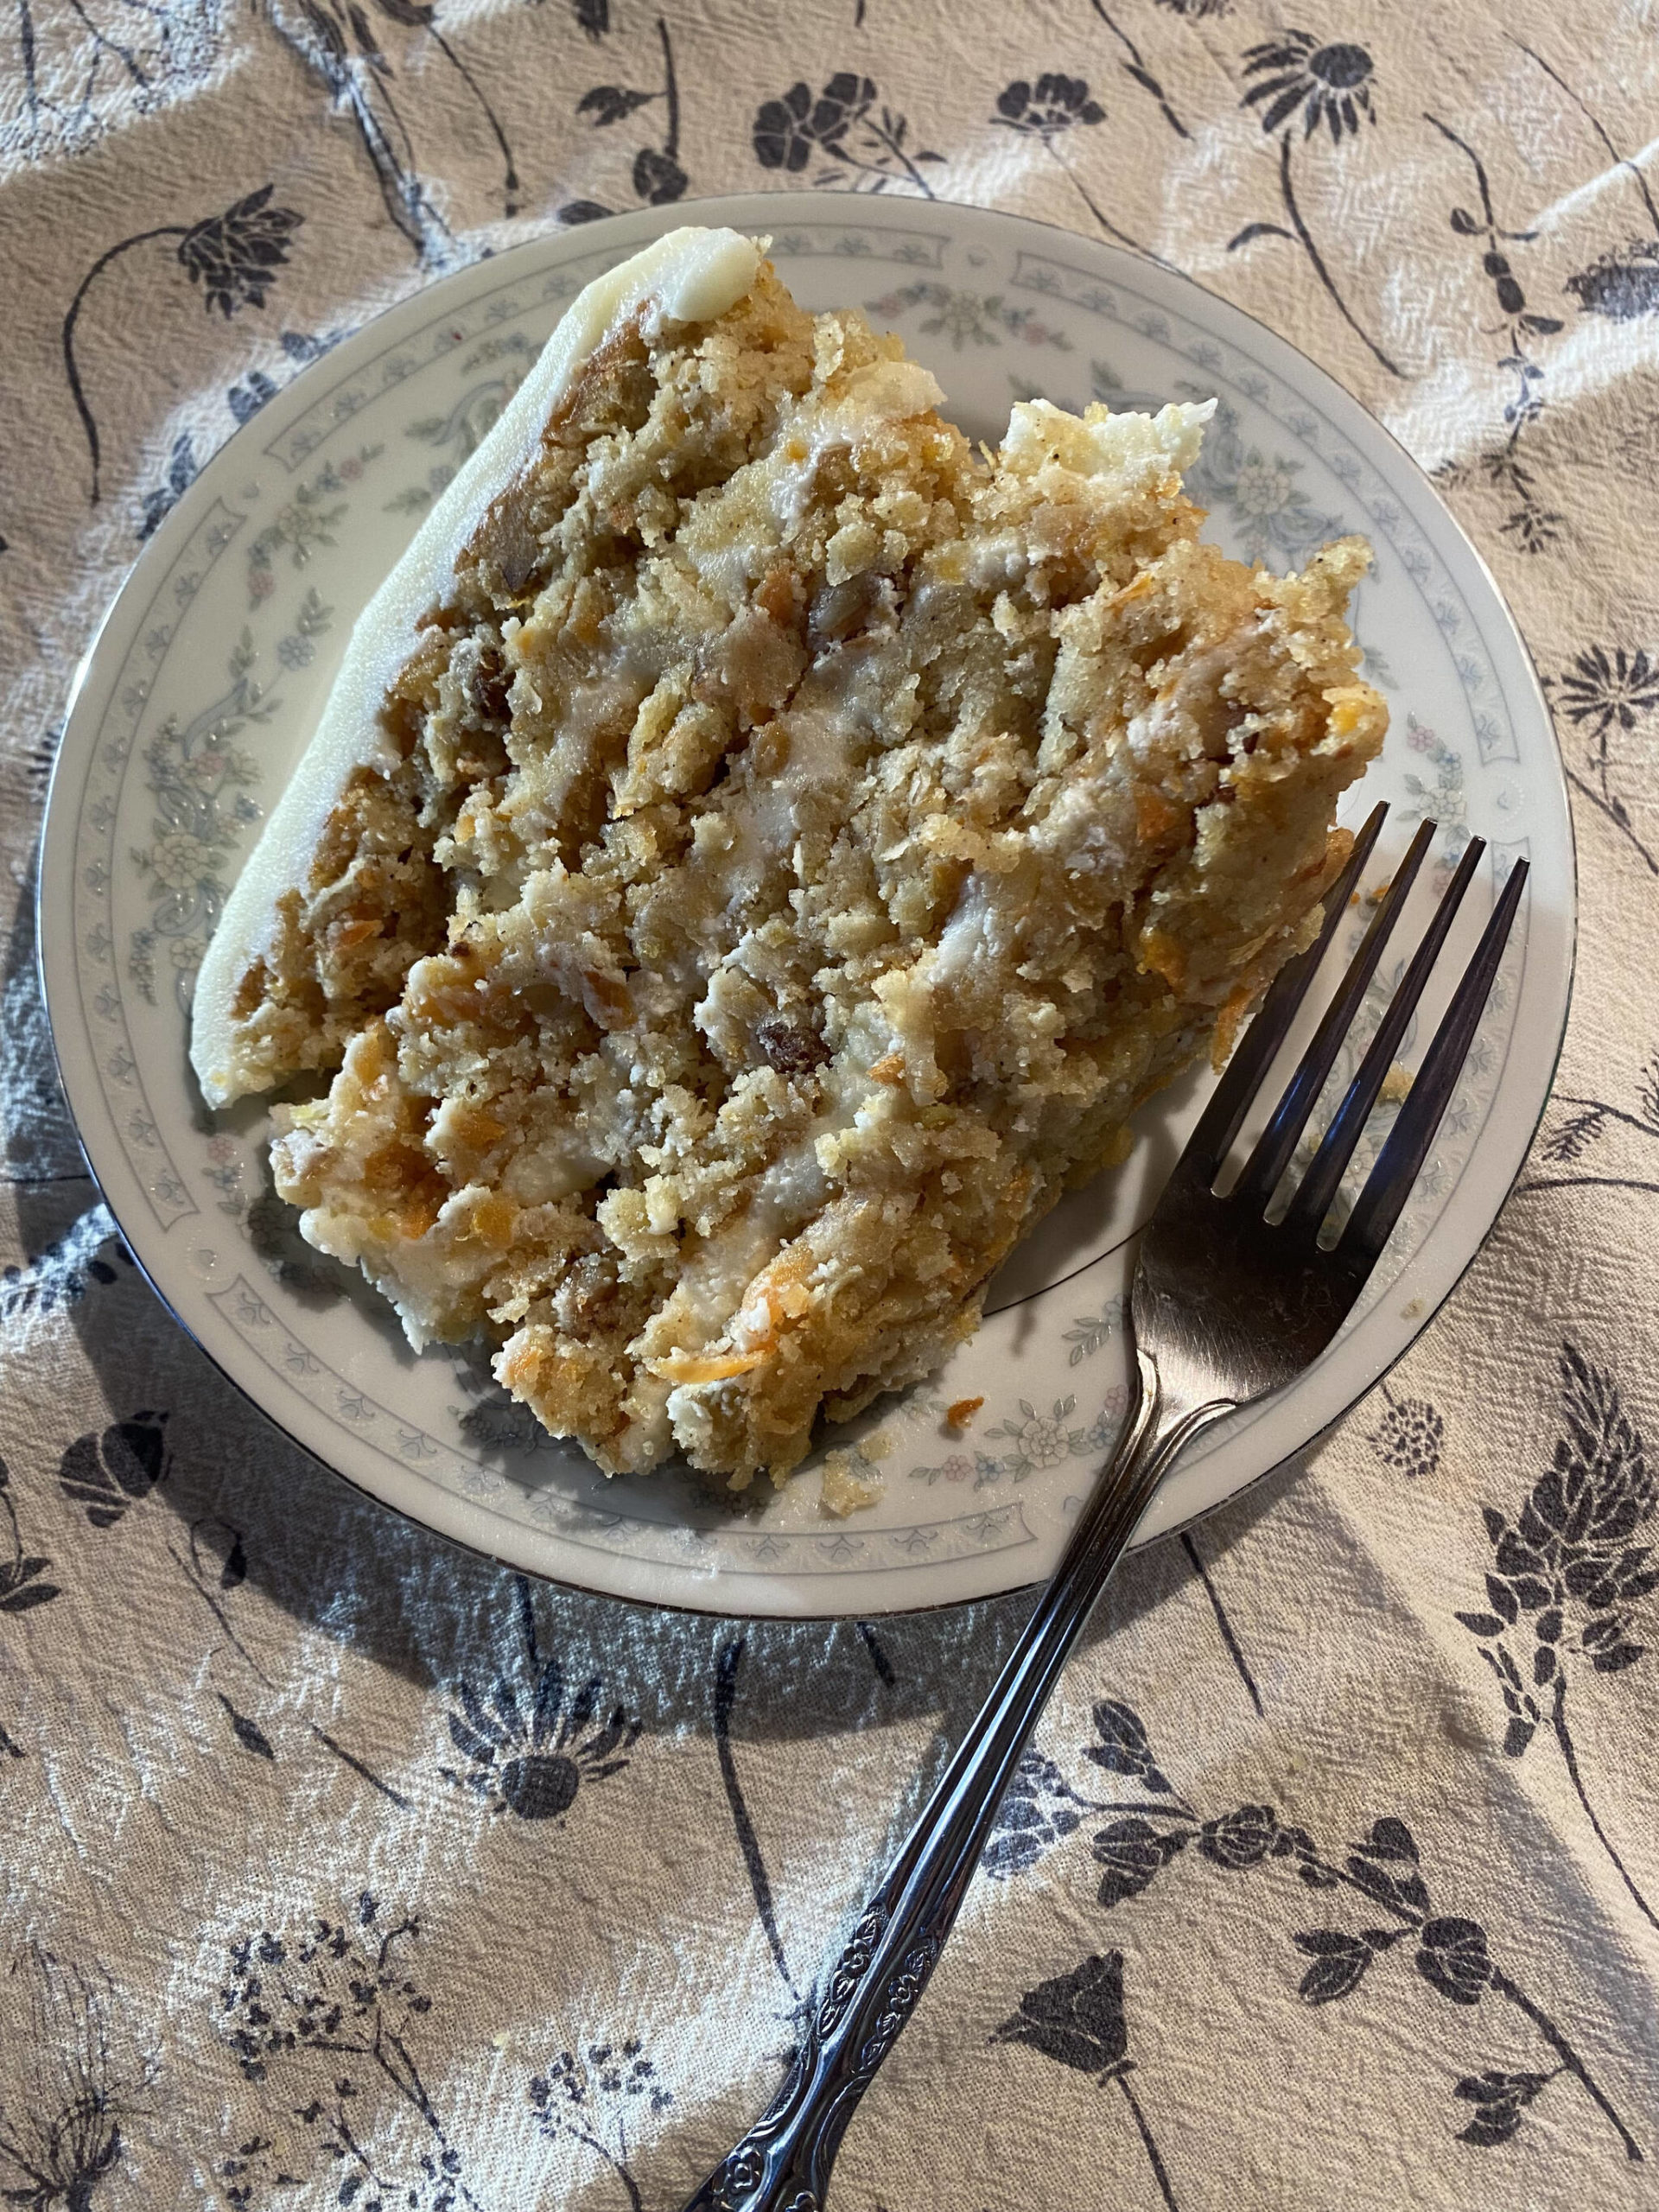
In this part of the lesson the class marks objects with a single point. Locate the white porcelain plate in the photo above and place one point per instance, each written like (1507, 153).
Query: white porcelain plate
(211, 670)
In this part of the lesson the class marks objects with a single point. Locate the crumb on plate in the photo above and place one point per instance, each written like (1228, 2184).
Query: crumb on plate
(841, 1491)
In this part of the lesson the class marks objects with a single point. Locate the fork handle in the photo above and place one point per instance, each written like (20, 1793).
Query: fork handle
(783, 2164)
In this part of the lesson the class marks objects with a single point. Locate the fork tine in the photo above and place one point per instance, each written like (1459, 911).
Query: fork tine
(1318, 1186)
(1229, 1102)
(1256, 1185)
(1402, 1158)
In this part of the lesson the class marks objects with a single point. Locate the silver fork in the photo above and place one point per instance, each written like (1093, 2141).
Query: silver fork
(1225, 1307)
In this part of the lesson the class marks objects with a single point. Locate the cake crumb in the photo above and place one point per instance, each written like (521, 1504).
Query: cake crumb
(959, 1415)
(1120, 1148)
(1395, 1085)
(843, 1492)
(877, 1446)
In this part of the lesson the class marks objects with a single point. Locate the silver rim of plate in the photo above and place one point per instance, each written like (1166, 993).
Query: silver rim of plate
(208, 674)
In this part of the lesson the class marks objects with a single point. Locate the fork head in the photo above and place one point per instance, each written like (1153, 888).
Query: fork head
(1231, 1305)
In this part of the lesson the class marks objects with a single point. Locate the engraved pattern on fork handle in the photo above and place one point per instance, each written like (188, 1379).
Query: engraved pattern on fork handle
(783, 2164)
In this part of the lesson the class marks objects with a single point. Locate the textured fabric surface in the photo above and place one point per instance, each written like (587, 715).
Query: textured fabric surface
(339, 1868)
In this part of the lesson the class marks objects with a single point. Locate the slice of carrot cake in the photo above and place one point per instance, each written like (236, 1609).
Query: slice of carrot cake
(759, 852)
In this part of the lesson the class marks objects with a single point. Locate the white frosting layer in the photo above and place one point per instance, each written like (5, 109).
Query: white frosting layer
(690, 276)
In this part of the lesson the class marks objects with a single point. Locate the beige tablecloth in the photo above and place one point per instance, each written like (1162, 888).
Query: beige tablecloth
(1334, 1880)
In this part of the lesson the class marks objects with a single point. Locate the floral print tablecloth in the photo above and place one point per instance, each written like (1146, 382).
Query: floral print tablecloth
(340, 1869)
